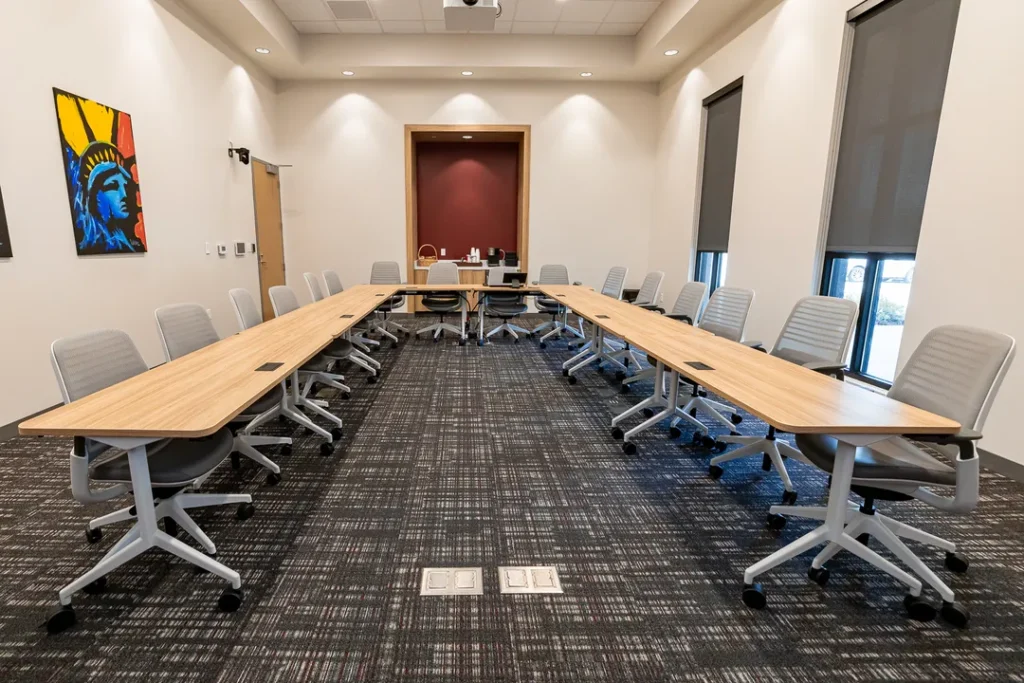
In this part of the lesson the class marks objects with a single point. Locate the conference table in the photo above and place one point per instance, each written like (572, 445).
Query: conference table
(198, 394)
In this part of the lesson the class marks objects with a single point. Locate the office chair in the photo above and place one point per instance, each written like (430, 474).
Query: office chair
(442, 273)
(90, 362)
(647, 298)
(725, 316)
(686, 309)
(595, 348)
(387, 273)
(553, 274)
(502, 305)
(185, 328)
(248, 315)
(816, 335)
(955, 372)
(357, 336)
(344, 348)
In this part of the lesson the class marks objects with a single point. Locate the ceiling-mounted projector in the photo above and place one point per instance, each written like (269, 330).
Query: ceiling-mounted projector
(471, 15)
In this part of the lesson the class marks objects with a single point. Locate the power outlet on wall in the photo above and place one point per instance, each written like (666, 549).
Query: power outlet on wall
(442, 251)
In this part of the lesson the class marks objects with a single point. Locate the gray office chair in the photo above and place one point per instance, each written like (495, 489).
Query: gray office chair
(956, 372)
(816, 335)
(342, 349)
(647, 297)
(83, 365)
(502, 305)
(185, 328)
(387, 273)
(613, 285)
(357, 336)
(686, 309)
(443, 273)
(725, 316)
(554, 274)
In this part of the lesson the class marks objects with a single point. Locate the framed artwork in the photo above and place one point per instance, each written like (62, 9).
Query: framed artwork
(98, 150)
(5, 235)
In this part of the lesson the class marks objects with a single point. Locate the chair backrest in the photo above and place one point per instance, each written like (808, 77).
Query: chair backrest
(246, 310)
(442, 273)
(955, 372)
(184, 328)
(818, 328)
(554, 274)
(86, 363)
(283, 299)
(691, 300)
(315, 292)
(615, 281)
(726, 312)
(385, 273)
(496, 274)
(333, 282)
(650, 288)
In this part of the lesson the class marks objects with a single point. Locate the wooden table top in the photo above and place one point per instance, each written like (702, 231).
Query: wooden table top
(790, 397)
(525, 290)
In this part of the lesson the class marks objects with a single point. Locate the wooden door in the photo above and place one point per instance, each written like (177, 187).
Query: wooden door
(266, 190)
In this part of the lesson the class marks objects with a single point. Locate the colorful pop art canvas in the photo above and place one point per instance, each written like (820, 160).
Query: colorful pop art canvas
(102, 176)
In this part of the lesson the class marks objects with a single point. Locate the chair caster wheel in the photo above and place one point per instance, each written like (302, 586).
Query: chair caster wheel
(956, 564)
(818, 575)
(96, 587)
(715, 472)
(372, 379)
(624, 389)
(61, 620)
(620, 375)
(326, 449)
(565, 372)
(170, 527)
(629, 448)
(245, 511)
(572, 380)
(516, 340)
(647, 412)
(863, 539)
(286, 449)
(707, 442)
(483, 342)
(543, 345)
(753, 596)
(600, 368)
(408, 334)
(788, 497)
(617, 433)
(766, 462)
(775, 522)
(674, 432)
(93, 535)
(955, 614)
(462, 342)
(336, 433)
(720, 447)
(236, 461)
(230, 600)
(697, 438)
(918, 608)
(273, 479)
(735, 419)
(346, 396)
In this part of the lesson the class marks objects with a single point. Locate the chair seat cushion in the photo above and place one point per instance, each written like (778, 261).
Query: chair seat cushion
(263, 404)
(895, 458)
(339, 348)
(172, 462)
(548, 305)
(442, 303)
(394, 302)
(505, 308)
(318, 363)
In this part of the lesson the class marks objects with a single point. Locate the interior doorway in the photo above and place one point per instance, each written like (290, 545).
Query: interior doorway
(266, 191)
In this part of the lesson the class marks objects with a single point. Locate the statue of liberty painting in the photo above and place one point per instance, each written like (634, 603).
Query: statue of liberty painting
(102, 177)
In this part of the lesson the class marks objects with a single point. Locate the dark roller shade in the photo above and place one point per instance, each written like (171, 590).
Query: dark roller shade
(723, 130)
(901, 53)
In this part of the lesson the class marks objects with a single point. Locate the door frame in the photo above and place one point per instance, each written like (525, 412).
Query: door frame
(267, 315)
(415, 133)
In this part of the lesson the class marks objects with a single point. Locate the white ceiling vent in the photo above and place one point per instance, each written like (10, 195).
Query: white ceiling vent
(350, 10)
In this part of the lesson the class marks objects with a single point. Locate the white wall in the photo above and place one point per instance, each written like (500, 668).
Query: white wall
(591, 193)
(186, 100)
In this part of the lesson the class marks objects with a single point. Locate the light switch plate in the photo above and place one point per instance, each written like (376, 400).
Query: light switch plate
(529, 580)
(452, 581)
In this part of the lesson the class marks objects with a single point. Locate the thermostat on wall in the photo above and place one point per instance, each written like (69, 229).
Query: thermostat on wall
(222, 249)
(239, 248)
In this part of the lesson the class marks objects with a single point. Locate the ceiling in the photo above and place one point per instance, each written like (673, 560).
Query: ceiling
(613, 40)
(539, 17)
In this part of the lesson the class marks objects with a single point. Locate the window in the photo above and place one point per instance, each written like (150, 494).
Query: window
(711, 268)
(898, 65)
(721, 135)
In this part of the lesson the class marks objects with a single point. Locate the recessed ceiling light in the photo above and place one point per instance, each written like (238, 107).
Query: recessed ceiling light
(586, 74)
(671, 53)
(467, 137)
(263, 50)
(467, 73)
(348, 73)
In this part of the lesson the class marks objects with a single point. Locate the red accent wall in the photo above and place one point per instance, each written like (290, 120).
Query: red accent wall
(467, 196)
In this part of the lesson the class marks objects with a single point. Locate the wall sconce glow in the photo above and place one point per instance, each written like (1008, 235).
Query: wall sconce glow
(263, 50)
(671, 53)
(467, 73)
(586, 74)
(467, 137)
(348, 73)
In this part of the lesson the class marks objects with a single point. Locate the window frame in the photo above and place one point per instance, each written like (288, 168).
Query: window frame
(716, 269)
(867, 307)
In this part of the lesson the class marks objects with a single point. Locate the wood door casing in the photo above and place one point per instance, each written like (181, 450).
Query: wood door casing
(266, 190)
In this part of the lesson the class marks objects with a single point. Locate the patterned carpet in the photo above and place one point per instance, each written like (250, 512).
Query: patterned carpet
(463, 456)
